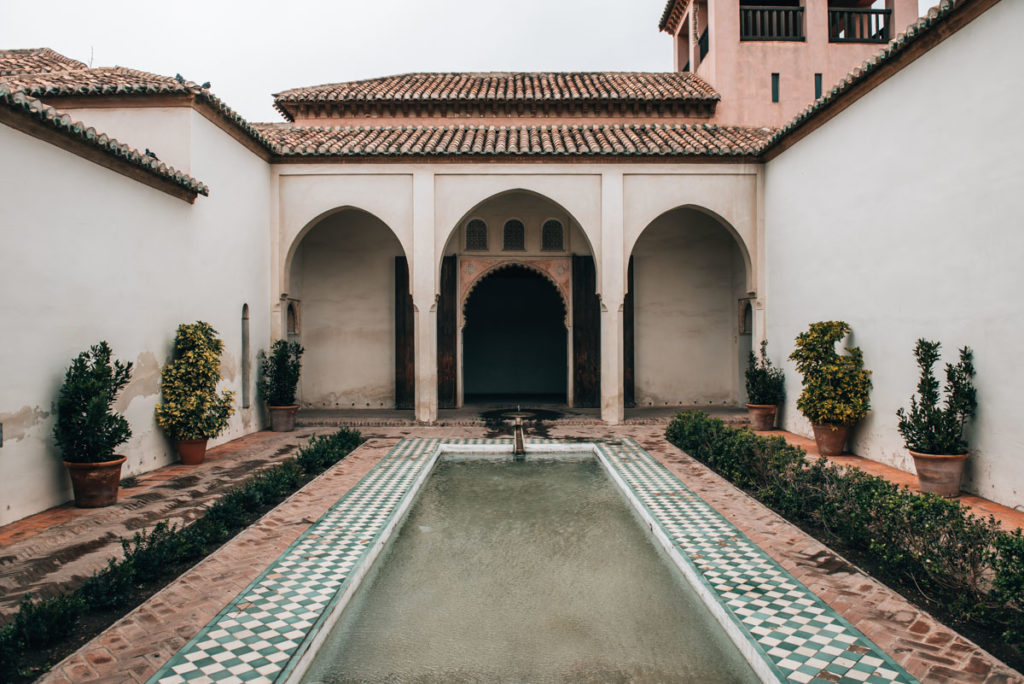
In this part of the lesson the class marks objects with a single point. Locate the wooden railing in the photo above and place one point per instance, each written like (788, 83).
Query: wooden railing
(859, 25)
(771, 23)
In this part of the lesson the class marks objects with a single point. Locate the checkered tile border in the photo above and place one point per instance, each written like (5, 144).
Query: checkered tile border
(266, 629)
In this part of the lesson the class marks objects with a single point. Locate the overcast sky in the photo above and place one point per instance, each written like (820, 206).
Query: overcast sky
(249, 49)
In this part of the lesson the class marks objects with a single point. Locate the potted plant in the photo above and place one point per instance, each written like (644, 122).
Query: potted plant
(934, 434)
(766, 388)
(87, 430)
(277, 381)
(192, 411)
(836, 387)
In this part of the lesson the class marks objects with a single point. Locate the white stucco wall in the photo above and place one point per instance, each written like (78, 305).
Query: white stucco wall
(343, 278)
(98, 256)
(165, 131)
(688, 276)
(902, 217)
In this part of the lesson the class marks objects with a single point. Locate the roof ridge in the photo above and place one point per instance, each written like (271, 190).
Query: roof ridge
(18, 100)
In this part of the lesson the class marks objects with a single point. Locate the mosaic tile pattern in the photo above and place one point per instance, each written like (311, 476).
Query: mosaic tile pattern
(795, 631)
(260, 634)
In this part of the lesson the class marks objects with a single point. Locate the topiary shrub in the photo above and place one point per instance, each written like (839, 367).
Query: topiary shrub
(87, 430)
(928, 428)
(191, 407)
(766, 384)
(279, 373)
(836, 387)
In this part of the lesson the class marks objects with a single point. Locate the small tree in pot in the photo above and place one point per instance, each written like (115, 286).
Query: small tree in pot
(766, 388)
(192, 411)
(278, 381)
(87, 430)
(836, 387)
(934, 434)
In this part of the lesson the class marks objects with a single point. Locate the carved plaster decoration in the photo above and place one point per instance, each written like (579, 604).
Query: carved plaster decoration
(473, 269)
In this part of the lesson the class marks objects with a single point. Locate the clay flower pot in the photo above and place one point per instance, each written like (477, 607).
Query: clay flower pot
(95, 484)
(192, 451)
(831, 438)
(282, 418)
(761, 416)
(940, 473)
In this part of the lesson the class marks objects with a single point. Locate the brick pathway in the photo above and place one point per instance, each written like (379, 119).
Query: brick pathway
(31, 553)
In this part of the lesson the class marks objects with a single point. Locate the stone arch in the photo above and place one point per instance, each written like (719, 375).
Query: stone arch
(559, 280)
(474, 212)
(289, 257)
(737, 237)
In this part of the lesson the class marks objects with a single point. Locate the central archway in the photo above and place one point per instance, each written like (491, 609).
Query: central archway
(514, 344)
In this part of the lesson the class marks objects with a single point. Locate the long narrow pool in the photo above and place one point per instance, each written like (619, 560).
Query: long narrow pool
(533, 571)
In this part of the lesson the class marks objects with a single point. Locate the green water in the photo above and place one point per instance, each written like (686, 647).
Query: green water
(525, 572)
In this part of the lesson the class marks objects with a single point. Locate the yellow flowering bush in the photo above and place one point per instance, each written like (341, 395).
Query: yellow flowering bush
(192, 408)
(836, 386)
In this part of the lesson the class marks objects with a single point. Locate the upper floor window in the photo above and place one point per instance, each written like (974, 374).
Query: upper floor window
(552, 236)
(476, 235)
(515, 235)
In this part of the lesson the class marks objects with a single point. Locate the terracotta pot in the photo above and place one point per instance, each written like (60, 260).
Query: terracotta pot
(192, 451)
(940, 473)
(282, 418)
(95, 484)
(761, 416)
(831, 439)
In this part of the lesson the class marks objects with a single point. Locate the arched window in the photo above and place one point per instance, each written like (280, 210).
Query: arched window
(246, 363)
(552, 236)
(476, 235)
(293, 322)
(515, 235)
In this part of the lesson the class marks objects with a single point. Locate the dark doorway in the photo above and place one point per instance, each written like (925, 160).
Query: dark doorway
(514, 342)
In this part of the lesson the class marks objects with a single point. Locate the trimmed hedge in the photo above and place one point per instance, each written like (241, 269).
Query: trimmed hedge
(967, 567)
(151, 556)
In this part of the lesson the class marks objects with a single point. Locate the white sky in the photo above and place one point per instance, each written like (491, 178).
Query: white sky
(249, 49)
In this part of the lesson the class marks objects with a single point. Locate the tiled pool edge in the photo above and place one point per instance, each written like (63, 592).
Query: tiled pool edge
(425, 453)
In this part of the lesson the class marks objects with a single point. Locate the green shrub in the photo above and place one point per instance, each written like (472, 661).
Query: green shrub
(278, 375)
(928, 428)
(766, 383)
(150, 556)
(925, 543)
(836, 386)
(86, 428)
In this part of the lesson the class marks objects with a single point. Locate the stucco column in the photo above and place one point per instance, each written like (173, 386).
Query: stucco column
(422, 271)
(612, 279)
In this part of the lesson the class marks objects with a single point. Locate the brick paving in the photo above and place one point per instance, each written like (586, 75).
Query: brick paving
(134, 648)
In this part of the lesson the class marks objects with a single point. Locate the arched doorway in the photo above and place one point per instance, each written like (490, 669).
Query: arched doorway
(688, 328)
(514, 343)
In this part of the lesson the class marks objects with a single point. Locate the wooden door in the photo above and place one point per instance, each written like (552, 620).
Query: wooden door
(447, 336)
(586, 334)
(628, 373)
(405, 359)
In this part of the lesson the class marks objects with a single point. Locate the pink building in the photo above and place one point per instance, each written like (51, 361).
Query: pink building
(769, 59)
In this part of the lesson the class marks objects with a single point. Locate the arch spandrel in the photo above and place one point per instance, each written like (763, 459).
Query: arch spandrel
(458, 196)
(473, 270)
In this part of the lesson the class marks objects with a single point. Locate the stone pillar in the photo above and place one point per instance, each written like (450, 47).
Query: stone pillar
(612, 279)
(423, 266)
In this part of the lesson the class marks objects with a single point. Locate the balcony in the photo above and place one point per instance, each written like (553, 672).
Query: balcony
(771, 23)
(859, 25)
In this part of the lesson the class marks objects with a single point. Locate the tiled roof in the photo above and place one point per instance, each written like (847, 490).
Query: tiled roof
(672, 15)
(932, 21)
(121, 81)
(646, 140)
(63, 123)
(35, 60)
(510, 88)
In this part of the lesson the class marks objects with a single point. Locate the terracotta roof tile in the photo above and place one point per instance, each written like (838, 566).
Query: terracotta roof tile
(672, 15)
(506, 88)
(646, 140)
(35, 60)
(936, 16)
(20, 102)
